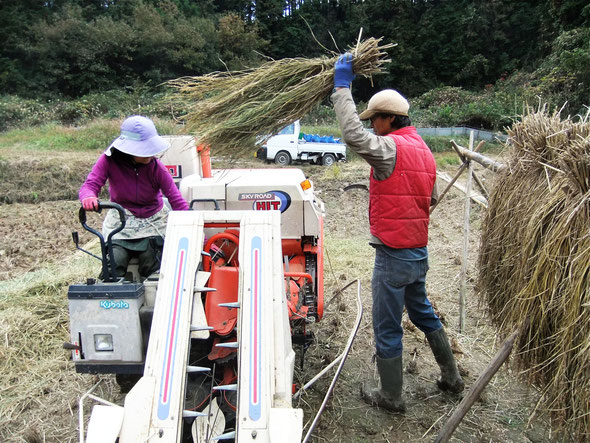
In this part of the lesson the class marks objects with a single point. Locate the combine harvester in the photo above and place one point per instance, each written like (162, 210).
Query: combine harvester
(209, 339)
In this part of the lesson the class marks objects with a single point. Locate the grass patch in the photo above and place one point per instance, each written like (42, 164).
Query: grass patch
(446, 159)
(54, 137)
(323, 130)
(37, 163)
(94, 136)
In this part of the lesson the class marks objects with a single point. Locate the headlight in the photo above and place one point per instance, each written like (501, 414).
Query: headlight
(103, 342)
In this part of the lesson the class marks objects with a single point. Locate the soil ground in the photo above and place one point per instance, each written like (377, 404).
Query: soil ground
(35, 235)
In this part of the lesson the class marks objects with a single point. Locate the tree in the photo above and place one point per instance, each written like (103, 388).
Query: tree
(67, 54)
(570, 13)
(78, 46)
(238, 43)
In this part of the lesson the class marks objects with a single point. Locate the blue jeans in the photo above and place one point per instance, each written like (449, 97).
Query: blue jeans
(399, 278)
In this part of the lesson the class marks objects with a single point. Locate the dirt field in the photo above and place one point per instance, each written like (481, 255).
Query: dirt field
(36, 235)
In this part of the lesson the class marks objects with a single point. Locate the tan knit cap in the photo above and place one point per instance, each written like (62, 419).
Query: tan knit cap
(387, 101)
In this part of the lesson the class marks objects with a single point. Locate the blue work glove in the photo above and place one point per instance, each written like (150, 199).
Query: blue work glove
(343, 75)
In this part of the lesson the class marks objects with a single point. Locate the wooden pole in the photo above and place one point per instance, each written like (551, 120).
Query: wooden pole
(461, 169)
(481, 159)
(463, 289)
(475, 176)
(477, 198)
(447, 430)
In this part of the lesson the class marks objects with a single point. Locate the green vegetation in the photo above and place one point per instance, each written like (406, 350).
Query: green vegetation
(323, 130)
(53, 137)
(461, 62)
(18, 112)
(95, 135)
(447, 160)
(443, 143)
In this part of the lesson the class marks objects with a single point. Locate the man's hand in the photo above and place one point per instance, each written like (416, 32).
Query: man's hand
(90, 203)
(343, 75)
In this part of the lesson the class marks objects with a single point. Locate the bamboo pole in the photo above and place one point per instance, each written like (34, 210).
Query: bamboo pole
(463, 289)
(447, 430)
(475, 176)
(477, 198)
(481, 159)
(459, 172)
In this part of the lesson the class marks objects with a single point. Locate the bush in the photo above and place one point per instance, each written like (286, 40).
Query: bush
(563, 79)
(321, 115)
(492, 109)
(18, 112)
(438, 144)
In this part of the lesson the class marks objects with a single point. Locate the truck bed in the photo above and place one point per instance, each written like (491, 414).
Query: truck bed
(321, 147)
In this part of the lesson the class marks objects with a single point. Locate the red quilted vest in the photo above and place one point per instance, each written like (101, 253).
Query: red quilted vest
(399, 207)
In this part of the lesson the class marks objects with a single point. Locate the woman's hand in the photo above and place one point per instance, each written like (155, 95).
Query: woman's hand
(90, 204)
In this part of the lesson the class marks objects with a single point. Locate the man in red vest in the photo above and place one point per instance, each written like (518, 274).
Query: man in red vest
(402, 188)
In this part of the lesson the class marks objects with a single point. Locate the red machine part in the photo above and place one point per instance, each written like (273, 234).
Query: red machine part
(295, 278)
(318, 251)
(203, 152)
(223, 265)
(221, 318)
(224, 246)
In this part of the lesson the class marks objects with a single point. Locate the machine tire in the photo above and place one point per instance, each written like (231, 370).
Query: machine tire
(328, 159)
(283, 158)
(126, 381)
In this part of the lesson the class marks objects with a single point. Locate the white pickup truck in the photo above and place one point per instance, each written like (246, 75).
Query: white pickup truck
(291, 145)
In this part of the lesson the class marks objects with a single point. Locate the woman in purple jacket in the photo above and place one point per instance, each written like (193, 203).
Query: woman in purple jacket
(137, 181)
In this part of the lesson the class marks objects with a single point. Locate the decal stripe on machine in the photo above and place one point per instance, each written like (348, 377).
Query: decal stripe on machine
(171, 334)
(254, 406)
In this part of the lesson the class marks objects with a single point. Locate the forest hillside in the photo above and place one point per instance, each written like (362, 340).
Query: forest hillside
(462, 62)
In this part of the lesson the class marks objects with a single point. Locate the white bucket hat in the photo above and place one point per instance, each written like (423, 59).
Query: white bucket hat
(139, 138)
(387, 101)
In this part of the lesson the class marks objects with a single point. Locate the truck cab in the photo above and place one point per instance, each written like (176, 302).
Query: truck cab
(290, 145)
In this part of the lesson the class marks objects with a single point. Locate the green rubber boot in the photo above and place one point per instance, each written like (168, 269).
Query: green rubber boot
(389, 394)
(450, 378)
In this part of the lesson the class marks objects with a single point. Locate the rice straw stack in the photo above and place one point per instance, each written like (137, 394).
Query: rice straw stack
(227, 110)
(534, 262)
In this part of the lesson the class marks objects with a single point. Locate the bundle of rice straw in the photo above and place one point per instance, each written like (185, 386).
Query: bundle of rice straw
(226, 110)
(535, 261)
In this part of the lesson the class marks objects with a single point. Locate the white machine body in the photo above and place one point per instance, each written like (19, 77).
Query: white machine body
(267, 206)
(260, 190)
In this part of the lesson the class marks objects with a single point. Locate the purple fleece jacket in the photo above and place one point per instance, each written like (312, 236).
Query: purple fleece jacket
(136, 187)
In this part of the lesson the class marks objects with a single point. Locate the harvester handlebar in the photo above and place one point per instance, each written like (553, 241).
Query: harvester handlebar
(105, 246)
(101, 206)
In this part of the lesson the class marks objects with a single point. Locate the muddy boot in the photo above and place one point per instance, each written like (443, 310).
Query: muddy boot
(450, 378)
(389, 395)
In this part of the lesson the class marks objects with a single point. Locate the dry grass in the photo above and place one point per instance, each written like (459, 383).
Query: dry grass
(38, 396)
(228, 110)
(34, 368)
(535, 261)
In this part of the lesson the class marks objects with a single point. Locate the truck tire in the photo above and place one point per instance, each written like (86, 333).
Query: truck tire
(328, 159)
(283, 158)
